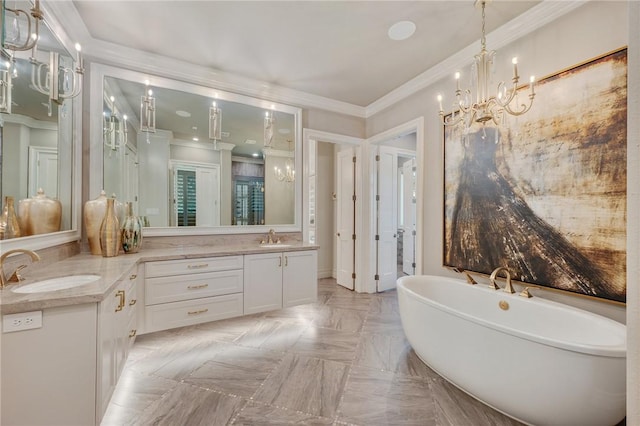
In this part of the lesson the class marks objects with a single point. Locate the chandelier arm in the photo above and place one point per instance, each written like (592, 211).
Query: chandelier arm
(76, 84)
(26, 45)
(523, 107)
(36, 76)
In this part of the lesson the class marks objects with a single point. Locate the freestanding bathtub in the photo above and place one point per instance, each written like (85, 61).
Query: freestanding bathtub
(540, 362)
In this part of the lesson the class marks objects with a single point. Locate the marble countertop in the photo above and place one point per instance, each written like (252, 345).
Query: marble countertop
(111, 270)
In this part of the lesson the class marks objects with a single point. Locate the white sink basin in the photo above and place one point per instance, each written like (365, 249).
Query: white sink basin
(274, 245)
(58, 283)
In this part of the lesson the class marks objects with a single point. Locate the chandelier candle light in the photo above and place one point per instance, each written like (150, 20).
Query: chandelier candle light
(486, 107)
(148, 111)
(269, 121)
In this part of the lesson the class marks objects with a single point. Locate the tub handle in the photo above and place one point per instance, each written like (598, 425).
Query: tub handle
(526, 293)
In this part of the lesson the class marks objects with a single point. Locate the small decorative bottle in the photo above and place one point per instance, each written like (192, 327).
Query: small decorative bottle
(131, 231)
(110, 231)
(11, 225)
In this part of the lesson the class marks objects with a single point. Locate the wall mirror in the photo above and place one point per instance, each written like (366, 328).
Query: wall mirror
(194, 160)
(37, 134)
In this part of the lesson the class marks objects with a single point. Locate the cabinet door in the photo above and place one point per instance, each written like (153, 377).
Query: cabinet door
(262, 282)
(107, 349)
(299, 278)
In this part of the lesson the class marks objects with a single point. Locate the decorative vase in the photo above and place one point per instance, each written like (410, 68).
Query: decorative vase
(110, 231)
(40, 214)
(94, 211)
(131, 231)
(10, 220)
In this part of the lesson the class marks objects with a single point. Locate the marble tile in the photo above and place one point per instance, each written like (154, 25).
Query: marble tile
(454, 407)
(340, 319)
(380, 351)
(136, 391)
(117, 415)
(309, 385)
(374, 397)
(272, 334)
(179, 363)
(236, 370)
(190, 405)
(350, 300)
(328, 344)
(262, 414)
(388, 323)
(385, 305)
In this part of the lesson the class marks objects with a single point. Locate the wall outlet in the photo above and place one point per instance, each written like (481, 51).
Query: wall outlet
(21, 321)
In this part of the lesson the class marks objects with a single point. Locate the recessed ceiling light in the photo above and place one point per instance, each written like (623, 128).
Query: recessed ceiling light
(184, 114)
(284, 131)
(195, 138)
(250, 142)
(255, 154)
(401, 30)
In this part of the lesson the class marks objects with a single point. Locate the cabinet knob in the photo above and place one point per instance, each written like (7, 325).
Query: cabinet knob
(133, 276)
(132, 302)
(132, 333)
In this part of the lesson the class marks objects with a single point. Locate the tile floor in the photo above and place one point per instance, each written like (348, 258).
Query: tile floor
(342, 360)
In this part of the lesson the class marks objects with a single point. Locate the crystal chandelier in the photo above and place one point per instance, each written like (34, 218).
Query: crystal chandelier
(483, 106)
(289, 173)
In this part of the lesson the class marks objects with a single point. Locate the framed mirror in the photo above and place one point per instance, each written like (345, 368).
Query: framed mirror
(38, 149)
(194, 160)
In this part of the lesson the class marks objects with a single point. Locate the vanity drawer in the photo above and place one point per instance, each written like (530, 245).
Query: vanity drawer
(179, 314)
(173, 289)
(192, 266)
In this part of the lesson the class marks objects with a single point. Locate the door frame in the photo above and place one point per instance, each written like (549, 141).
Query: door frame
(310, 139)
(413, 126)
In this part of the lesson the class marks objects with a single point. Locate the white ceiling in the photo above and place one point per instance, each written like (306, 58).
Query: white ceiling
(334, 49)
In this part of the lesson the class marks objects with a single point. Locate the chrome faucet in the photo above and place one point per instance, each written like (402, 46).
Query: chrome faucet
(492, 279)
(15, 277)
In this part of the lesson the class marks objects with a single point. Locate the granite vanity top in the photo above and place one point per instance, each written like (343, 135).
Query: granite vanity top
(111, 270)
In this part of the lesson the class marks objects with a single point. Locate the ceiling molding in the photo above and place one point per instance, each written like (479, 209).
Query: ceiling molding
(66, 16)
(30, 122)
(533, 19)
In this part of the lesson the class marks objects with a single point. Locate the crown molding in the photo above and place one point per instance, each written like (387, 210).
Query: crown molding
(533, 19)
(30, 122)
(66, 16)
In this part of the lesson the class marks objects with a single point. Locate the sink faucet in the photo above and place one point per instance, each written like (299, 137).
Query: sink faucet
(271, 237)
(15, 277)
(492, 279)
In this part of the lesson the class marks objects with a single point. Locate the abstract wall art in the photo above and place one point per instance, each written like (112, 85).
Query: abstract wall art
(545, 193)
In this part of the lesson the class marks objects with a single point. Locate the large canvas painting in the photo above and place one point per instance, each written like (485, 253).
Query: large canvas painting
(545, 194)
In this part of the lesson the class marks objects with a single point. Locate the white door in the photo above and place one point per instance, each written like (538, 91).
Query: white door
(207, 197)
(345, 215)
(387, 218)
(409, 219)
(43, 171)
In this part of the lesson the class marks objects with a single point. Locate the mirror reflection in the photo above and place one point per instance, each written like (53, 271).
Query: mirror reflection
(185, 159)
(35, 127)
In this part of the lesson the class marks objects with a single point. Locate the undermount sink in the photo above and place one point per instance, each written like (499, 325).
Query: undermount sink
(58, 283)
(275, 245)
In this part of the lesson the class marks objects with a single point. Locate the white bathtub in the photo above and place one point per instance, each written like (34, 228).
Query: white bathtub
(540, 362)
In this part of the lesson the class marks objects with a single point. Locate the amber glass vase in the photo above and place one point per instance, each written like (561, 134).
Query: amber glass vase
(131, 231)
(110, 231)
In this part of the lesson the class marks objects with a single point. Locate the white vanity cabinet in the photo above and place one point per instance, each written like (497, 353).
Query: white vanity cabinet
(276, 280)
(190, 291)
(116, 333)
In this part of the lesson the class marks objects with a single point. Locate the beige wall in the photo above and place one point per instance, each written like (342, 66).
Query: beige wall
(589, 31)
(325, 206)
(332, 122)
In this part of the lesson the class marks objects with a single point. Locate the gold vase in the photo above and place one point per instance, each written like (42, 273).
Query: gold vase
(10, 220)
(110, 231)
(39, 215)
(94, 211)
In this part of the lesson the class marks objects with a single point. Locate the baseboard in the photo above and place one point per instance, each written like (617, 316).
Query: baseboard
(325, 273)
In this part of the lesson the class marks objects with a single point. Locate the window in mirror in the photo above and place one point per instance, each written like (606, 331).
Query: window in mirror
(206, 164)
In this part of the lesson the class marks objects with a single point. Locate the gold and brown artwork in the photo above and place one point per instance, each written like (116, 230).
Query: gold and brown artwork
(545, 195)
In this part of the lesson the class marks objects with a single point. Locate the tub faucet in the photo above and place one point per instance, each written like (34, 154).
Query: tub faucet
(492, 279)
(470, 279)
(15, 277)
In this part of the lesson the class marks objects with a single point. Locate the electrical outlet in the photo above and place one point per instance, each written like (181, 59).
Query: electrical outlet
(21, 321)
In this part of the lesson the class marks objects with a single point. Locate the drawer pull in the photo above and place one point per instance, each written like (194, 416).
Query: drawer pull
(286, 261)
(132, 333)
(197, 266)
(201, 311)
(132, 302)
(120, 294)
(195, 287)
(133, 276)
